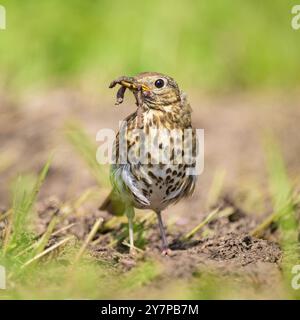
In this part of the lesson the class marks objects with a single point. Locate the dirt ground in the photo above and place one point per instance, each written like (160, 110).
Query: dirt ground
(32, 126)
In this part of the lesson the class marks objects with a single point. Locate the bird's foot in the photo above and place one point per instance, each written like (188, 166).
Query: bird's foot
(132, 251)
(166, 252)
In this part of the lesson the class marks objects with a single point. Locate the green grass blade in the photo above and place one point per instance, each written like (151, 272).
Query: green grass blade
(284, 204)
(212, 215)
(24, 198)
(216, 187)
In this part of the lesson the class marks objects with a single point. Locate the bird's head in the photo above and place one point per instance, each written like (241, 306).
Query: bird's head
(157, 90)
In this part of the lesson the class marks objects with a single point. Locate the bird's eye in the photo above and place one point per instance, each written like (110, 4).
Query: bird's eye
(159, 83)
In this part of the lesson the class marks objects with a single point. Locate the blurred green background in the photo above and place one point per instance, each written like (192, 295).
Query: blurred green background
(217, 45)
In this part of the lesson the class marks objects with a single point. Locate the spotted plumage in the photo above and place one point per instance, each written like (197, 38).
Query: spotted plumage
(152, 174)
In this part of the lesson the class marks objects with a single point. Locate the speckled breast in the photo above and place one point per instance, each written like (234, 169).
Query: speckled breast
(155, 174)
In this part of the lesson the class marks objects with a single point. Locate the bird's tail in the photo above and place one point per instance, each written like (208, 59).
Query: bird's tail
(112, 204)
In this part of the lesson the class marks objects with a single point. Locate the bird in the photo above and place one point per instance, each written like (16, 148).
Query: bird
(148, 172)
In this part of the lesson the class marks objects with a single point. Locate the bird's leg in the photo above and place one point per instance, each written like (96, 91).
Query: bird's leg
(130, 216)
(165, 247)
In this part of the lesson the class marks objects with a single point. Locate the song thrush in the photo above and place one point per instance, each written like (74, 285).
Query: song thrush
(154, 174)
